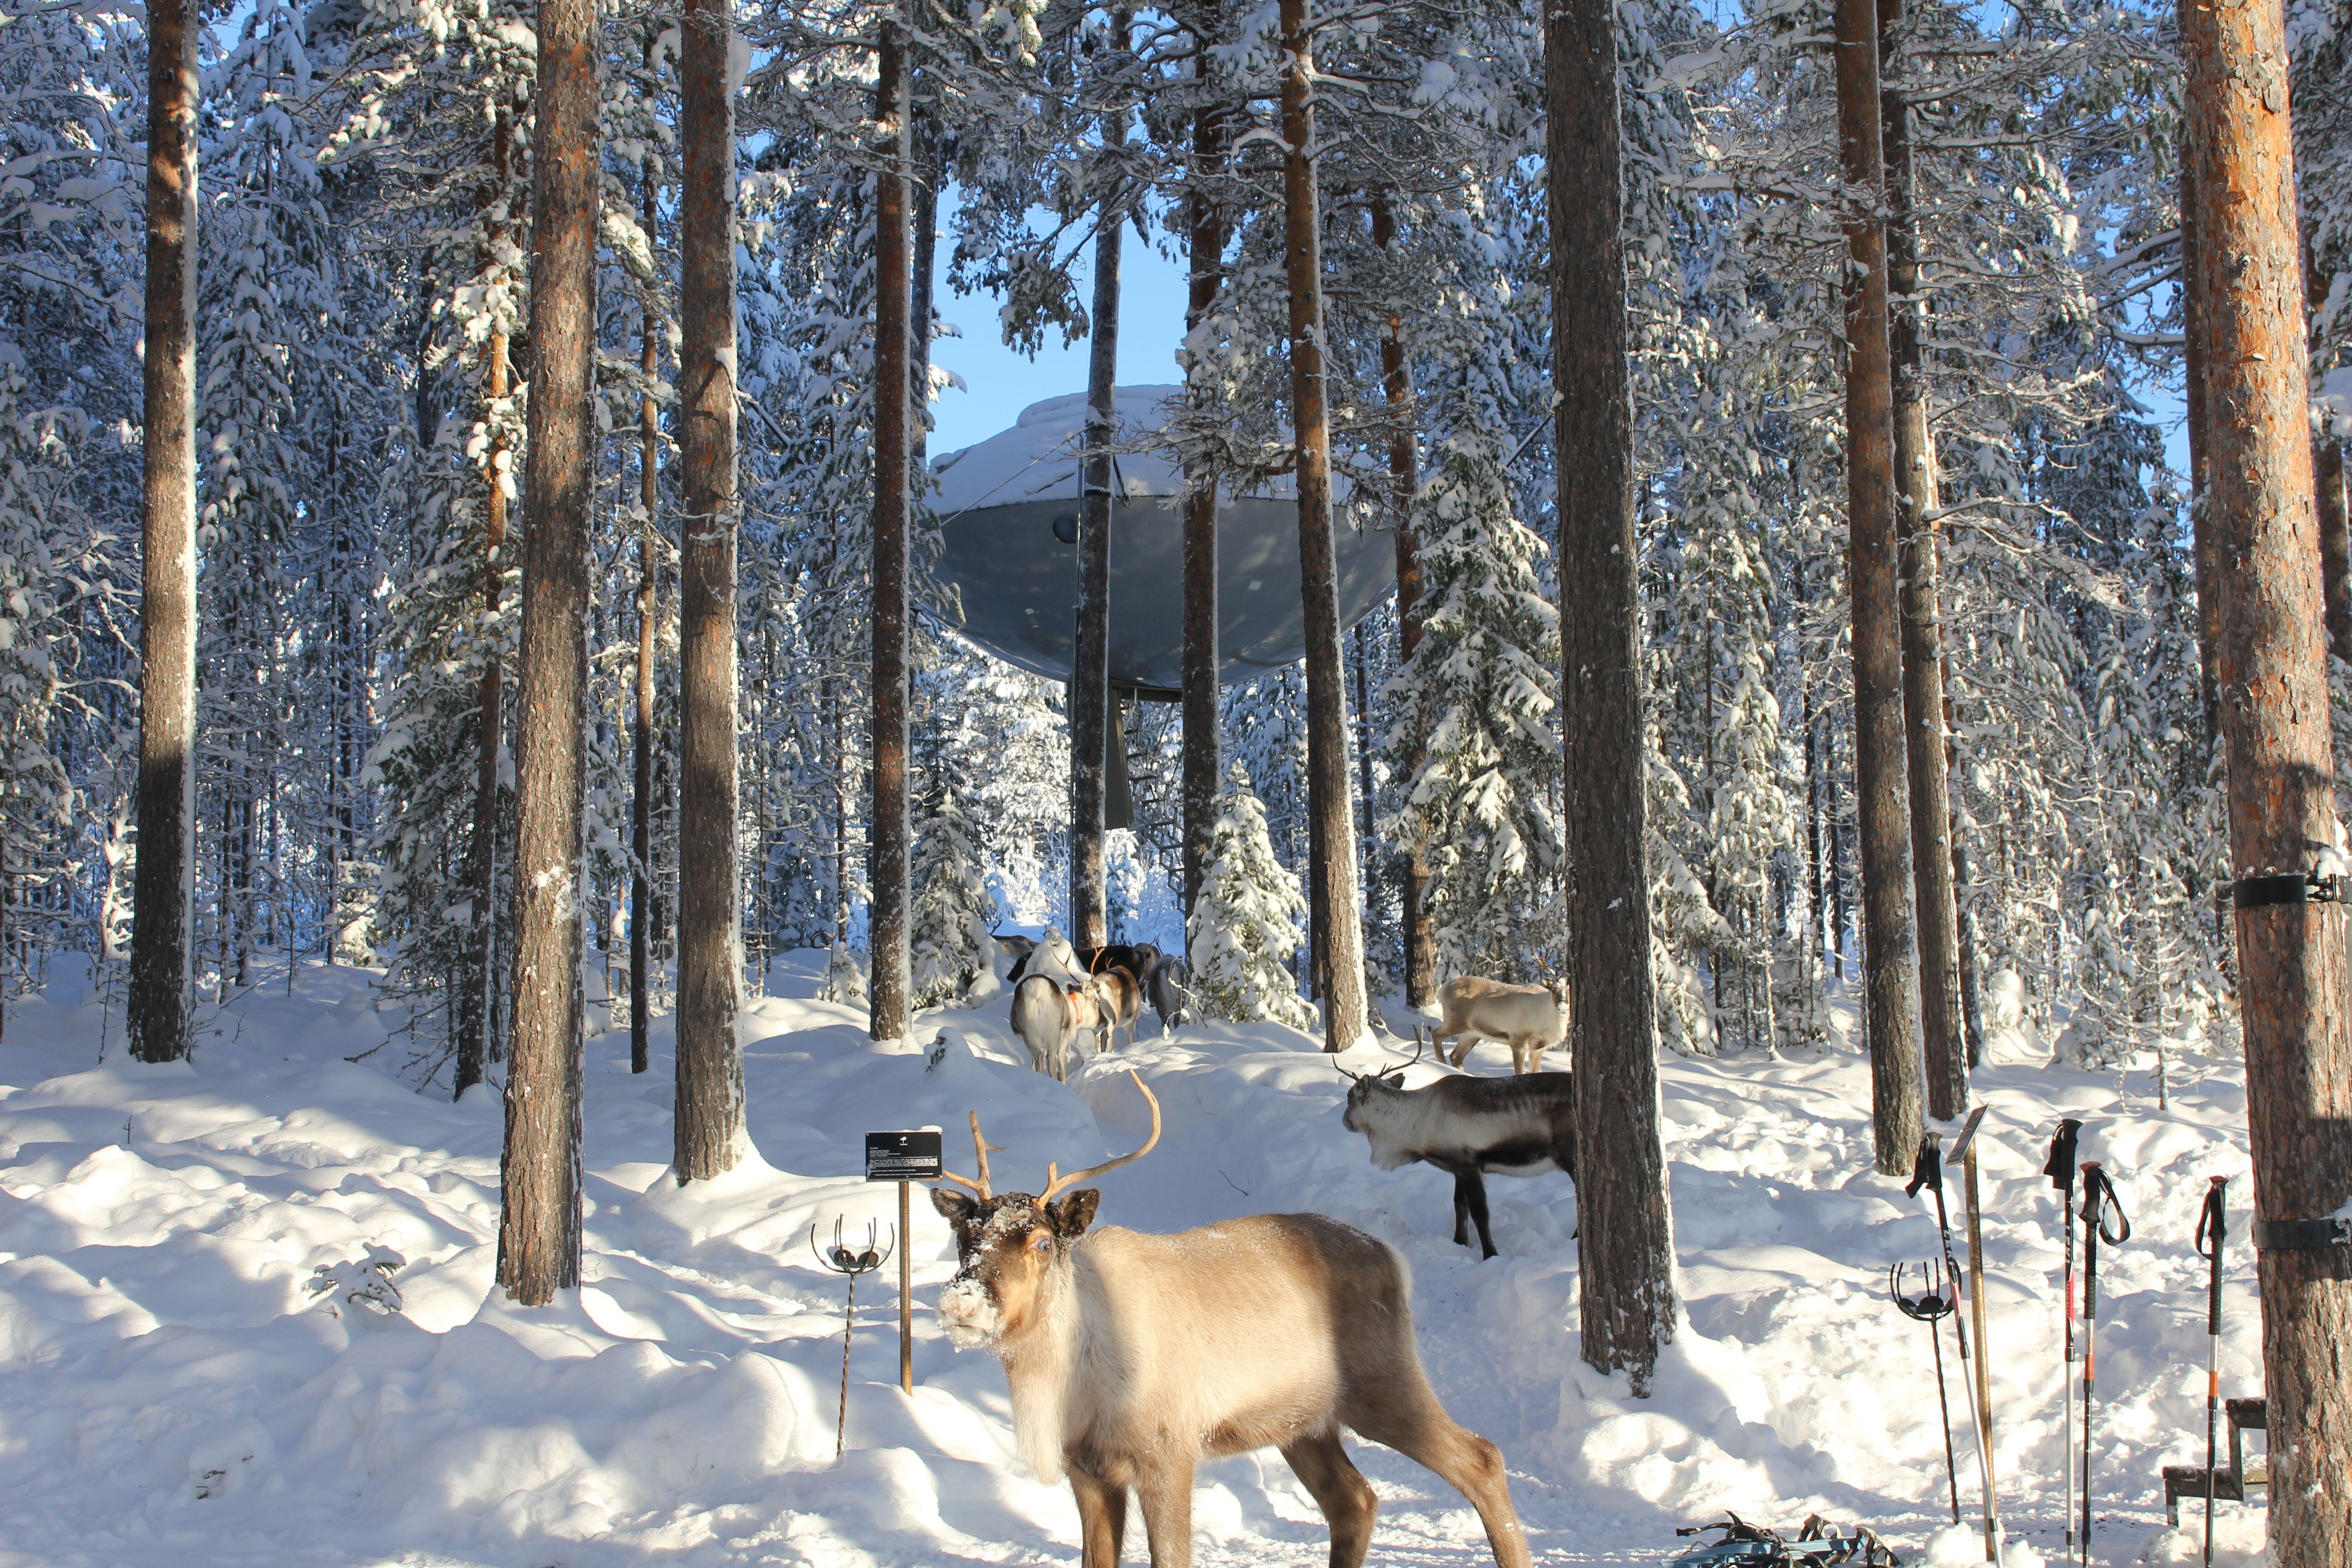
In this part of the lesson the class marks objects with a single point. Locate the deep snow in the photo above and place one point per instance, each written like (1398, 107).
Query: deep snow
(172, 1392)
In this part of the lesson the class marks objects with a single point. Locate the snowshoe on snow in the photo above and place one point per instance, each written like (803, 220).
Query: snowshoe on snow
(1818, 1545)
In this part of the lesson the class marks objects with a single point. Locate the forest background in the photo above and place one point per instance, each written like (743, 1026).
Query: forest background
(363, 243)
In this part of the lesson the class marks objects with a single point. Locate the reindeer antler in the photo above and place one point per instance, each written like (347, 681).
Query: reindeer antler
(1057, 1183)
(981, 1148)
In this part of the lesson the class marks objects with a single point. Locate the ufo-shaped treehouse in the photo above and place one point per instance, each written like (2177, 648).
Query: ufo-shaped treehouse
(1009, 512)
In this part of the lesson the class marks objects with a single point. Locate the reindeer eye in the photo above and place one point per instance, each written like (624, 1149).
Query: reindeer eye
(1040, 1240)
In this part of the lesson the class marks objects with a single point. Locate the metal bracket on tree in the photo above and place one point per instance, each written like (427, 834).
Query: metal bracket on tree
(2302, 1235)
(2287, 887)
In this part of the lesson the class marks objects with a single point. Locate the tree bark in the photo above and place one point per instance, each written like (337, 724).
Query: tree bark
(1889, 951)
(2327, 495)
(538, 1218)
(1090, 667)
(1338, 914)
(641, 804)
(1626, 1249)
(889, 985)
(2193, 360)
(1404, 477)
(708, 1120)
(1920, 536)
(482, 849)
(2274, 710)
(157, 1010)
(1203, 762)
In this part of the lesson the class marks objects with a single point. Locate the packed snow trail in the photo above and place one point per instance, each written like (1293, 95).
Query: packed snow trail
(173, 1395)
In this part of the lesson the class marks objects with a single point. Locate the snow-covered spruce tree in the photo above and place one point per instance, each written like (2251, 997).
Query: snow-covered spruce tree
(952, 907)
(442, 124)
(1474, 704)
(52, 557)
(1245, 926)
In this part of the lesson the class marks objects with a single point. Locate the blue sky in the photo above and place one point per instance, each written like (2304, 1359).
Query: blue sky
(999, 383)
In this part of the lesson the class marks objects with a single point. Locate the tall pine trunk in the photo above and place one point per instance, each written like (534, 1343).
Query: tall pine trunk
(1626, 1253)
(641, 797)
(1090, 667)
(2328, 497)
(708, 1122)
(157, 1013)
(1203, 762)
(2262, 544)
(1920, 535)
(1883, 818)
(539, 1215)
(891, 984)
(477, 983)
(1337, 910)
(1404, 478)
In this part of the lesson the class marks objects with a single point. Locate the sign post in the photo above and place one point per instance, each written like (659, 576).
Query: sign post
(904, 1158)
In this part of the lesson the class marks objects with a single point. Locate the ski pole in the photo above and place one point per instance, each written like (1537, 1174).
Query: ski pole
(1928, 1307)
(1964, 1151)
(2061, 1172)
(1929, 1173)
(2099, 1203)
(2209, 1227)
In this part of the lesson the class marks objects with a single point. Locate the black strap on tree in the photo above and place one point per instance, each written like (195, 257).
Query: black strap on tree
(2301, 1234)
(2286, 888)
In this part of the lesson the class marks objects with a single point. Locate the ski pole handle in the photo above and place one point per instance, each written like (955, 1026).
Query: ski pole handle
(2211, 1226)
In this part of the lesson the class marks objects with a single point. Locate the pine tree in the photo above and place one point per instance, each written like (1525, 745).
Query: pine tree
(1245, 931)
(1476, 705)
(951, 908)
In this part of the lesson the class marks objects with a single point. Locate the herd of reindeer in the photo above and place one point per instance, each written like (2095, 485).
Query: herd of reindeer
(1132, 1357)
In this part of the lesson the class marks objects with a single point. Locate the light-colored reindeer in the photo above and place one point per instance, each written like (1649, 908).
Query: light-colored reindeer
(1132, 1357)
(1528, 1019)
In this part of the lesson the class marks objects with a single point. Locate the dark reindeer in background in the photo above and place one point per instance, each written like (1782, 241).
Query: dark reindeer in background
(1518, 1126)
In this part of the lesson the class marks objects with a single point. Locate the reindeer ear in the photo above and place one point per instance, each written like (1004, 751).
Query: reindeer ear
(954, 1207)
(1071, 1217)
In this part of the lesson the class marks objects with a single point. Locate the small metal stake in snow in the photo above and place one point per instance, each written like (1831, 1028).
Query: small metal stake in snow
(844, 1261)
(1964, 1152)
(905, 1158)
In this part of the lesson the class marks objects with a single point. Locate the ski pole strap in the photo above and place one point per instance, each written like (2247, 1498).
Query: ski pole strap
(2100, 1202)
(2210, 1223)
(2286, 887)
(2060, 1168)
(1927, 1169)
(2302, 1235)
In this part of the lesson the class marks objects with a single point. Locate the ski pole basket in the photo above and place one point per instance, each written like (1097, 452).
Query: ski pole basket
(1818, 1545)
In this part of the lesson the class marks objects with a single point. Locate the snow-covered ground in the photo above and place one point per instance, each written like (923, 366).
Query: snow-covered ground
(171, 1394)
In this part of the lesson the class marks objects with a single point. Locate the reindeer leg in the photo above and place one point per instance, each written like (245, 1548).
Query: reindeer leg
(1102, 1519)
(1411, 1421)
(1462, 1180)
(1340, 1490)
(1164, 1485)
(1476, 1181)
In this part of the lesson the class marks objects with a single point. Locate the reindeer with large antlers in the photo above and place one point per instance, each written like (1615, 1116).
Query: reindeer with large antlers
(1132, 1357)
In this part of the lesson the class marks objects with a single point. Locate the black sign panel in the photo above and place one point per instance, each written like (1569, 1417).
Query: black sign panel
(902, 1156)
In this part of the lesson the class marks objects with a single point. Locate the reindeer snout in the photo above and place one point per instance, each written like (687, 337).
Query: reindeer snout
(967, 1313)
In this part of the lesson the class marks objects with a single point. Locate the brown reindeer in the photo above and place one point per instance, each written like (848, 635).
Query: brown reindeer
(1132, 1357)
